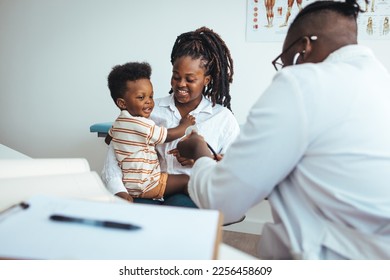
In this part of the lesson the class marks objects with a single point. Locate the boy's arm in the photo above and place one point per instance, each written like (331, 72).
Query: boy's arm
(178, 131)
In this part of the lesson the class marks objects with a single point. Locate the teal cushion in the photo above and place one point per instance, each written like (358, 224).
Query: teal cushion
(101, 128)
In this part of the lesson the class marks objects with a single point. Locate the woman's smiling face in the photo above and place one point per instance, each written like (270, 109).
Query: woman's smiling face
(188, 80)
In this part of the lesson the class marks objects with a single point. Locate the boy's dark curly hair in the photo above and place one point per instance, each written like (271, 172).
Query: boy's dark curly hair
(130, 71)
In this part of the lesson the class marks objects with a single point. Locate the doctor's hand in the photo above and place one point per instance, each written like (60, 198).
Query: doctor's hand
(193, 146)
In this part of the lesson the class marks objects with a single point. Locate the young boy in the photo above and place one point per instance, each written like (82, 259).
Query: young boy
(134, 135)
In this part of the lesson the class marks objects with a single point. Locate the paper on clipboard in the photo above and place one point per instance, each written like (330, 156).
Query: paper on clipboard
(86, 185)
(166, 232)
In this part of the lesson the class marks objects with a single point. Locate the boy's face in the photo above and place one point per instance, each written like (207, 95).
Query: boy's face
(138, 99)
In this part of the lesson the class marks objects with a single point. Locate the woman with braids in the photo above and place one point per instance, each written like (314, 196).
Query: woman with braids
(202, 70)
(316, 144)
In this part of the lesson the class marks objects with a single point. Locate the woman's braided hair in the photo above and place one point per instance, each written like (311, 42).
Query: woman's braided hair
(207, 45)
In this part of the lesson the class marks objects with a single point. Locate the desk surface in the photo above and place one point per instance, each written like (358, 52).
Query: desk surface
(226, 252)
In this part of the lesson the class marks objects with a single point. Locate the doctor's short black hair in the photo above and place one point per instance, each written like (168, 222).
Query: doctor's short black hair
(347, 8)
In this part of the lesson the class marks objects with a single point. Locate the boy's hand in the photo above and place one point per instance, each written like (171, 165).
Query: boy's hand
(188, 120)
(125, 196)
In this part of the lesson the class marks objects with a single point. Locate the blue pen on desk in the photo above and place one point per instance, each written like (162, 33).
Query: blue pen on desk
(93, 222)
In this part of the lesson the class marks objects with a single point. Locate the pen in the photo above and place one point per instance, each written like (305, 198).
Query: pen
(93, 222)
(212, 150)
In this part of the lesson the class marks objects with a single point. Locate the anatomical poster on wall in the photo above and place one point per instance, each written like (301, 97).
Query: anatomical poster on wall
(268, 20)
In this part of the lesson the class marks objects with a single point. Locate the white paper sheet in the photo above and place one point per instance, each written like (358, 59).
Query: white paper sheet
(76, 185)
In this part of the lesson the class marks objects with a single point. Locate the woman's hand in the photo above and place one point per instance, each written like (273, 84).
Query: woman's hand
(219, 157)
(182, 160)
(125, 196)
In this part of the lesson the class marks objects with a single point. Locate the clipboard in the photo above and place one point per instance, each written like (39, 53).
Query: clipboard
(165, 232)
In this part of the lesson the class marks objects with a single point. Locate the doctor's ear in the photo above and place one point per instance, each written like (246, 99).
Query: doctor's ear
(308, 47)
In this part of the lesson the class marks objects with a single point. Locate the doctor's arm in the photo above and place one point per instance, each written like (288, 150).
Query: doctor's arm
(270, 144)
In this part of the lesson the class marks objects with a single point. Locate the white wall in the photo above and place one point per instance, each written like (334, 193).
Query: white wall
(55, 56)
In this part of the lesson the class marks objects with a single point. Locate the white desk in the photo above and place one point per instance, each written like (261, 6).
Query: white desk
(226, 252)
